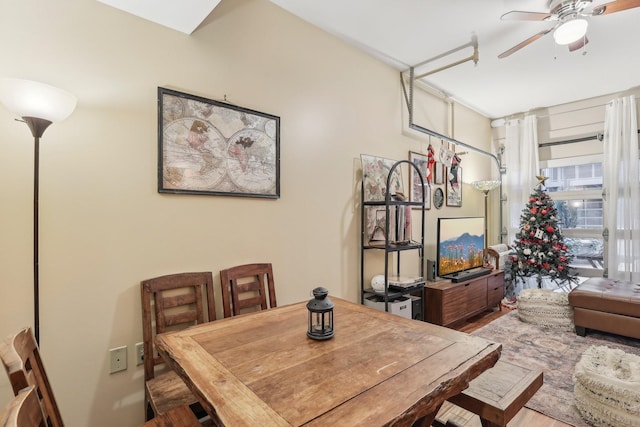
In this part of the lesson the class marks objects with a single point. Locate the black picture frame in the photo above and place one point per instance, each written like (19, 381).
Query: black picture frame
(418, 192)
(454, 187)
(438, 173)
(209, 147)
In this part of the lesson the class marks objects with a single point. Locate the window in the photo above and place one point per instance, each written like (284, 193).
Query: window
(575, 185)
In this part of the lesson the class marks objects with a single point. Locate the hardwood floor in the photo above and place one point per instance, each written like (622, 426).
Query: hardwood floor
(525, 418)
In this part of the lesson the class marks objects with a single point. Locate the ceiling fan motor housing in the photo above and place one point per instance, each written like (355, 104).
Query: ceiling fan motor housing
(563, 9)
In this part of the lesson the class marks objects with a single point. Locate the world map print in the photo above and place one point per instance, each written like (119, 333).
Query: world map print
(209, 147)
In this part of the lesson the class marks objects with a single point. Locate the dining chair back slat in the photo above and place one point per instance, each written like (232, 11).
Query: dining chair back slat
(246, 287)
(23, 410)
(21, 359)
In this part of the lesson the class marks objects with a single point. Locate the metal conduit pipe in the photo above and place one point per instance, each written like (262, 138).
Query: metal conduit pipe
(409, 101)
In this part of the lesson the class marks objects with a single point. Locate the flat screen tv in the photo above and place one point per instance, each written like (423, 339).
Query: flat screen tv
(460, 245)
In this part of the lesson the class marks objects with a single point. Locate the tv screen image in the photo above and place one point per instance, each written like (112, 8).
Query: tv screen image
(460, 245)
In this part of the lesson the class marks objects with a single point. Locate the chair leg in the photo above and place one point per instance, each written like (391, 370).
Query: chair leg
(149, 414)
(198, 410)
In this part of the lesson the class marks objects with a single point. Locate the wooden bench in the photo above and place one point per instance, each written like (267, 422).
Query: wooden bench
(498, 393)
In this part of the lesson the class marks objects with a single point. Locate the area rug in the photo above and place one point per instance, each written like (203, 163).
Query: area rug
(556, 353)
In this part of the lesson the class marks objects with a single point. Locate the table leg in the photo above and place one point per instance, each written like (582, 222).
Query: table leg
(427, 419)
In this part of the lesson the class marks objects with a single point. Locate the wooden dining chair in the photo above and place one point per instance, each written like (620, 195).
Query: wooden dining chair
(179, 416)
(243, 288)
(171, 302)
(21, 359)
(23, 410)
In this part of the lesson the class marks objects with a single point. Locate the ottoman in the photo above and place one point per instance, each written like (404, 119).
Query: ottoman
(606, 305)
(606, 387)
(545, 307)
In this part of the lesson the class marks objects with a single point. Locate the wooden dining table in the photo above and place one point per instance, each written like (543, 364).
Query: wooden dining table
(261, 369)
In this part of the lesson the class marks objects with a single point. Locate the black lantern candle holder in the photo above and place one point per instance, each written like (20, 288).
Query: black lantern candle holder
(320, 315)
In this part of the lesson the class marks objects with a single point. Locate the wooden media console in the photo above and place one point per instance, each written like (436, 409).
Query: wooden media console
(448, 303)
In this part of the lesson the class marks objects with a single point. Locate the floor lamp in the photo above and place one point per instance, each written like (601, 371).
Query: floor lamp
(485, 187)
(38, 105)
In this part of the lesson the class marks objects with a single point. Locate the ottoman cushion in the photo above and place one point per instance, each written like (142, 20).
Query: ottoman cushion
(545, 307)
(609, 296)
(607, 387)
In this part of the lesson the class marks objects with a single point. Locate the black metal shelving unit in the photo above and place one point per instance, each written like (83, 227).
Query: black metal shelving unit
(392, 248)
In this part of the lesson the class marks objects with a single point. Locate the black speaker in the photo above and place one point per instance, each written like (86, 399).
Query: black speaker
(431, 270)
(416, 308)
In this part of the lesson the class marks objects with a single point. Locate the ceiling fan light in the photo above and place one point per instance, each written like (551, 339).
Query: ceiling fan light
(570, 31)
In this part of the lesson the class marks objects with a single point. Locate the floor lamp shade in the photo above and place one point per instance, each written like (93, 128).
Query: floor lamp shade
(38, 105)
(26, 98)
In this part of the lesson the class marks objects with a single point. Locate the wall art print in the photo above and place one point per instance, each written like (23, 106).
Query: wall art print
(375, 171)
(438, 173)
(214, 148)
(454, 186)
(376, 224)
(420, 190)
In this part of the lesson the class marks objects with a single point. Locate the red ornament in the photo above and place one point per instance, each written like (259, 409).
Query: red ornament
(543, 212)
(532, 200)
(550, 229)
(560, 268)
(563, 259)
(546, 265)
(534, 210)
(564, 248)
(532, 234)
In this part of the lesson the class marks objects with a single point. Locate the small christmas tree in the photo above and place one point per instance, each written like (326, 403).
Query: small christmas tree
(539, 248)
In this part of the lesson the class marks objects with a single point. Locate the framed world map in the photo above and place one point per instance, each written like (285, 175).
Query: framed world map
(214, 148)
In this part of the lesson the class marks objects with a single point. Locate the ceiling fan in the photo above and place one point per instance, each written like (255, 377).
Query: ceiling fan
(570, 17)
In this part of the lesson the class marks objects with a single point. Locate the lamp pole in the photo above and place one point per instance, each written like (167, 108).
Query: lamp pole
(485, 186)
(37, 127)
(486, 219)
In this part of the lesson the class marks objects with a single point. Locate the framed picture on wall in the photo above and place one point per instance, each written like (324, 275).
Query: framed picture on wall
(375, 171)
(419, 190)
(454, 186)
(438, 173)
(214, 148)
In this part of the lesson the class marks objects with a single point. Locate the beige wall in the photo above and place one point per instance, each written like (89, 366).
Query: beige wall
(104, 227)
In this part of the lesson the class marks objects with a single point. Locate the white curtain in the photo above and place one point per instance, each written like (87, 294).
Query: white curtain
(521, 161)
(622, 186)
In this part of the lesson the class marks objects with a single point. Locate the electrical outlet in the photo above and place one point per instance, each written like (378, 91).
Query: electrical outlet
(118, 359)
(139, 353)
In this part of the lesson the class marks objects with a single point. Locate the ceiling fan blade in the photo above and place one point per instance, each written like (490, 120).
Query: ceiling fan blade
(579, 44)
(525, 16)
(615, 6)
(524, 43)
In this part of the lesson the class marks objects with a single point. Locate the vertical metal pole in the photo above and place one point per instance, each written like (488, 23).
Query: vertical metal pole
(37, 127)
(486, 224)
(36, 284)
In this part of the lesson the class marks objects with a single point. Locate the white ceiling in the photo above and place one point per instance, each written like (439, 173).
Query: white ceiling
(182, 15)
(404, 33)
